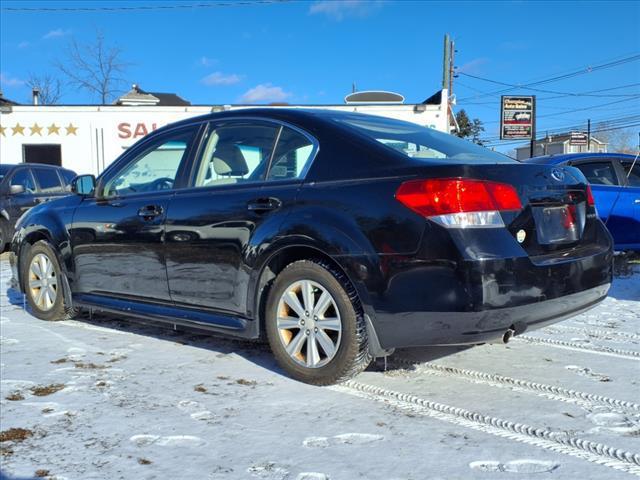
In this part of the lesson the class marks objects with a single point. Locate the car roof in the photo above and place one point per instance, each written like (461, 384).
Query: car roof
(569, 157)
(298, 116)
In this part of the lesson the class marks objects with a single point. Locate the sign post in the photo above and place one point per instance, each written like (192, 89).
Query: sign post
(518, 118)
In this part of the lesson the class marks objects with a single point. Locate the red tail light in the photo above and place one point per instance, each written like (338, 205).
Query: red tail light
(590, 201)
(444, 196)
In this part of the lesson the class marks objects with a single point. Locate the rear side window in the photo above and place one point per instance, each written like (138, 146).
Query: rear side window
(292, 156)
(48, 180)
(599, 173)
(633, 175)
(23, 177)
(420, 142)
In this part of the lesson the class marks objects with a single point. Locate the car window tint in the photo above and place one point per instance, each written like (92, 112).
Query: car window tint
(633, 175)
(47, 179)
(599, 173)
(153, 170)
(236, 153)
(292, 156)
(23, 177)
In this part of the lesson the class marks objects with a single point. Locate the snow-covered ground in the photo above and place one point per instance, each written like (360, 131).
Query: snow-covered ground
(124, 400)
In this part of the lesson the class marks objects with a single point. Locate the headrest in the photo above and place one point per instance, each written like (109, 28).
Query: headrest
(228, 160)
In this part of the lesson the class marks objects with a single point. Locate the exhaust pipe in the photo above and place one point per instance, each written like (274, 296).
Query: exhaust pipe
(505, 337)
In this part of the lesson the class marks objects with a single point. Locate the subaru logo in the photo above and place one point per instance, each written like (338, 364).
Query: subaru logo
(557, 174)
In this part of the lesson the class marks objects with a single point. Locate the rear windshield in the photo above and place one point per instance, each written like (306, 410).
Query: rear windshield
(420, 142)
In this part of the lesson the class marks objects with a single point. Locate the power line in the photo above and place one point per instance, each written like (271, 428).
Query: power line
(568, 94)
(580, 71)
(239, 3)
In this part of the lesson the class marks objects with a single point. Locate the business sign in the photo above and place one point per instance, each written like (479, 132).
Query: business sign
(517, 117)
(578, 138)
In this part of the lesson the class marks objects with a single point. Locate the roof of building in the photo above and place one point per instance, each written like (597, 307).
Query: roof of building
(137, 96)
(5, 101)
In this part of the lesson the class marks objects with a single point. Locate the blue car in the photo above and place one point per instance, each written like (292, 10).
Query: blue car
(615, 183)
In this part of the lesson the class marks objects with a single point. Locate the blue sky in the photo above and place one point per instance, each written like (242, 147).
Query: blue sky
(312, 52)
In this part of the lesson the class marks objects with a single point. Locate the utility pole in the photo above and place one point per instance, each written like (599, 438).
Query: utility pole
(446, 62)
(589, 135)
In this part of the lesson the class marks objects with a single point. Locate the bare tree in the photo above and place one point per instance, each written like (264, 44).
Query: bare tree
(50, 88)
(619, 139)
(94, 67)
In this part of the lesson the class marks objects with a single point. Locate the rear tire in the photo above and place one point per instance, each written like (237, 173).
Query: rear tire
(43, 284)
(315, 324)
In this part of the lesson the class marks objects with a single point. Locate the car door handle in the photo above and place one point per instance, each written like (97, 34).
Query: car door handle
(637, 200)
(150, 211)
(264, 204)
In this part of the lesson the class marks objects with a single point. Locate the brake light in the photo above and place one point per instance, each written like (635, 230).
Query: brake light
(459, 202)
(590, 201)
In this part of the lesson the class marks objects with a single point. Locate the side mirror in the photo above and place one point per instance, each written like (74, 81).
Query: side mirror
(16, 189)
(83, 185)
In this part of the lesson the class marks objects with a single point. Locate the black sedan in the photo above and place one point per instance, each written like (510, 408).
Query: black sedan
(336, 236)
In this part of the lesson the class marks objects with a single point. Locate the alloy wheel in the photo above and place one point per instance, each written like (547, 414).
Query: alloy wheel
(43, 283)
(309, 324)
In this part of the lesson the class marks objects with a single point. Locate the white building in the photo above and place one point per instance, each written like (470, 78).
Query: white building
(559, 144)
(86, 139)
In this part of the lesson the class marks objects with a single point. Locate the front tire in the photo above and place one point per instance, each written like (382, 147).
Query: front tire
(43, 284)
(315, 324)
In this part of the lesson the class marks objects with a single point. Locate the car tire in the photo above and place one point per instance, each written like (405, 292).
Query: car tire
(43, 285)
(330, 311)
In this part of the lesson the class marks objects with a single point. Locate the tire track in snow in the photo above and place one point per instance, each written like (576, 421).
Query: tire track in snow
(558, 442)
(596, 349)
(600, 334)
(553, 392)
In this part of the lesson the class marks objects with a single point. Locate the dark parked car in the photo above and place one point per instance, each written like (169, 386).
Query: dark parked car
(337, 236)
(615, 182)
(25, 185)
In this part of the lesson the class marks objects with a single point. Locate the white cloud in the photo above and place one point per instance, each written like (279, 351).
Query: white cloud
(473, 66)
(341, 9)
(264, 93)
(207, 62)
(23, 44)
(8, 81)
(219, 78)
(57, 33)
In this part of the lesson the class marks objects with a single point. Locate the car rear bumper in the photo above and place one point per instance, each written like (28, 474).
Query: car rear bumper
(423, 303)
(463, 328)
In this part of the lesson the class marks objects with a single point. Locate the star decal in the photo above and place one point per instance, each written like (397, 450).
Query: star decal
(53, 129)
(71, 130)
(2, 129)
(36, 129)
(18, 129)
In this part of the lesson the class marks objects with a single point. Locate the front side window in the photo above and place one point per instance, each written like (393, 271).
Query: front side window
(236, 153)
(633, 174)
(599, 173)
(292, 155)
(48, 180)
(23, 177)
(153, 170)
